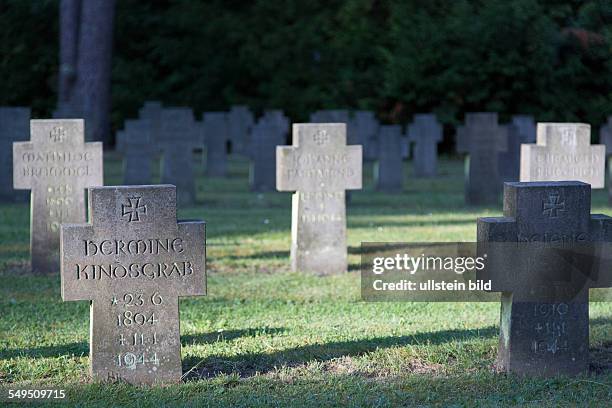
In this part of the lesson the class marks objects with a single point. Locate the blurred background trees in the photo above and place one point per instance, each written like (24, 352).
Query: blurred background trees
(550, 58)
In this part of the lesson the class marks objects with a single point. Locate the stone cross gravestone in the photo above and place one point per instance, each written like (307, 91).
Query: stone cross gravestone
(482, 139)
(179, 137)
(318, 167)
(544, 326)
(133, 260)
(57, 166)
(215, 136)
(239, 123)
(14, 127)
(563, 152)
(509, 162)
(425, 132)
(265, 136)
(526, 127)
(138, 148)
(389, 169)
(605, 138)
(366, 127)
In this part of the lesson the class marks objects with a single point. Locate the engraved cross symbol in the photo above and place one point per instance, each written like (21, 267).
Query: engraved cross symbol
(57, 134)
(321, 137)
(554, 206)
(134, 209)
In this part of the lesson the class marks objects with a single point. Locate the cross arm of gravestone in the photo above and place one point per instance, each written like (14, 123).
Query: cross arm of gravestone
(20, 151)
(496, 238)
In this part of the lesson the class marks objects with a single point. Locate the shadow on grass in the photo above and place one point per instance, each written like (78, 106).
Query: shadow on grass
(260, 255)
(247, 365)
(227, 335)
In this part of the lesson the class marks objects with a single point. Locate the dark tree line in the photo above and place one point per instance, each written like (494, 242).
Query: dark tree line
(550, 58)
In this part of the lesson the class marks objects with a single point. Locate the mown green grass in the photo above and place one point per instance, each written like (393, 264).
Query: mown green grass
(267, 336)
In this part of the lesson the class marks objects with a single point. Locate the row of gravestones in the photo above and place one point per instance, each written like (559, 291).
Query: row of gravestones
(133, 260)
(174, 134)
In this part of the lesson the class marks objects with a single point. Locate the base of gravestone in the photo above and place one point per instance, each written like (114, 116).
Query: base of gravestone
(530, 332)
(318, 230)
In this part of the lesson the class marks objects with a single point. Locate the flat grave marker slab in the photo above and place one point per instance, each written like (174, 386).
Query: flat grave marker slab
(138, 148)
(57, 166)
(563, 152)
(215, 136)
(265, 136)
(318, 167)
(240, 121)
(366, 128)
(133, 260)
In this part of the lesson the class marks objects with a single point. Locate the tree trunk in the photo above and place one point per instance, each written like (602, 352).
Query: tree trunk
(94, 67)
(70, 11)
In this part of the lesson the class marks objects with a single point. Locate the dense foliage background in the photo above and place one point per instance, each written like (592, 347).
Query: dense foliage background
(550, 58)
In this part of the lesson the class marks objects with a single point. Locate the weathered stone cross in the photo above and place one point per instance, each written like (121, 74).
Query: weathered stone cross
(482, 139)
(133, 260)
(319, 167)
(136, 144)
(535, 261)
(563, 151)
(57, 166)
(425, 132)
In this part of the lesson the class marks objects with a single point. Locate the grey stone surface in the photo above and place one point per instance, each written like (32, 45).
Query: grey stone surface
(425, 133)
(180, 136)
(239, 122)
(482, 139)
(563, 152)
(279, 119)
(133, 261)
(544, 327)
(509, 162)
(605, 138)
(216, 136)
(14, 127)
(366, 129)
(57, 166)
(389, 168)
(138, 149)
(526, 127)
(265, 136)
(319, 167)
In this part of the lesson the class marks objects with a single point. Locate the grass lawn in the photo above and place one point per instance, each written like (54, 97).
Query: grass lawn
(267, 336)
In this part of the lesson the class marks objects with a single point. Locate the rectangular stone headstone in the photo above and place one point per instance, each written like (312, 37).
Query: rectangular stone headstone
(239, 122)
(215, 136)
(425, 132)
(319, 167)
(482, 139)
(57, 166)
(14, 127)
(389, 169)
(138, 148)
(179, 137)
(133, 260)
(544, 326)
(265, 136)
(605, 138)
(563, 152)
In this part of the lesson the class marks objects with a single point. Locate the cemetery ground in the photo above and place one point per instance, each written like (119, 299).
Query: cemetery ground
(265, 335)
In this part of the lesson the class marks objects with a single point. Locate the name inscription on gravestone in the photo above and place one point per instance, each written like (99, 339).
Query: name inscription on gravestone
(319, 167)
(563, 152)
(133, 260)
(57, 166)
